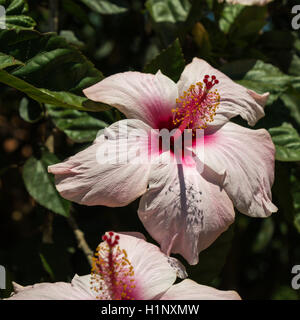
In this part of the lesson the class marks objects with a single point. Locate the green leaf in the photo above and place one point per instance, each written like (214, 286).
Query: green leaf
(212, 260)
(47, 267)
(58, 269)
(295, 65)
(284, 292)
(291, 99)
(228, 16)
(295, 181)
(40, 184)
(8, 61)
(287, 142)
(242, 21)
(202, 40)
(30, 110)
(15, 15)
(170, 18)
(264, 236)
(51, 71)
(63, 99)
(170, 62)
(107, 7)
(71, 38)
(259, 76)
(77, 125)
(172, 11)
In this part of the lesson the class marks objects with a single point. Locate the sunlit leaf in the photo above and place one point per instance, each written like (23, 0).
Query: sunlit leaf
(168, 10)
(242, 21)
(107, 6)
(229, 15)
(47, 69)
(259, 76)
(16, 18)
(287, 142)
(8, 61)
(30, 110)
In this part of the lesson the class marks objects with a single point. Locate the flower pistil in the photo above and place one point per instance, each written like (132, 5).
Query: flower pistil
(112, 275)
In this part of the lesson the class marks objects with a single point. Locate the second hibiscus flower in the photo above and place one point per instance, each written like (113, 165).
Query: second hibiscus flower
(185, 204)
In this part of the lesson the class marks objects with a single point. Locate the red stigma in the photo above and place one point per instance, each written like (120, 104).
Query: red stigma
(111, 239)
(210, 84)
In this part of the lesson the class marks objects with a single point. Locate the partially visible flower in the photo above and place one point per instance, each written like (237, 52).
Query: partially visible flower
(248, 2)
(185, 204)
(126, 267)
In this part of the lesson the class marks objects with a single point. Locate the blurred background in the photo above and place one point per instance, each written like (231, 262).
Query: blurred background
(52, 47)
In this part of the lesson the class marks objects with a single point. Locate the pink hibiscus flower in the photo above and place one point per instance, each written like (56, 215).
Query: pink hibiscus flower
(126, 267)
(185, 205)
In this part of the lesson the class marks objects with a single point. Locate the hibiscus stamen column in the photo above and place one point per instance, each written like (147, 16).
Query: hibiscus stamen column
(197, 106)
(112, 275)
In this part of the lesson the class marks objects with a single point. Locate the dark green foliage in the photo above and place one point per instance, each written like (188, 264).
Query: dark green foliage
(44, 118)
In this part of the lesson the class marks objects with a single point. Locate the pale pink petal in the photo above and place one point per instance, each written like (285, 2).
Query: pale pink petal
(182, 211)
(78, 289)
(152, 271)
(83, 283)
(191, 290)
(113, 180)
(17, 287)
(234, 98)
(247, 158)
(133, 234)
(142, 96)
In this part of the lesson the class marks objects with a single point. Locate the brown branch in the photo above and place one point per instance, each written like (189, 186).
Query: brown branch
(82, 244)
(48, 228)
(53, 19)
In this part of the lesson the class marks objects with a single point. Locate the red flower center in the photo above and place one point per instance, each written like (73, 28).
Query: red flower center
(195, 109)
(197, 106)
